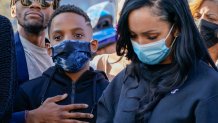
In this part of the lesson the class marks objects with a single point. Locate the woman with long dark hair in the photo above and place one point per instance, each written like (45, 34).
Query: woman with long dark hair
(172, 78)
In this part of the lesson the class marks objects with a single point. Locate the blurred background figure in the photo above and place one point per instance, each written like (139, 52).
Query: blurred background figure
(102, 16)
(205, 13)
(30, 39)
(104, 31)
(7, 69)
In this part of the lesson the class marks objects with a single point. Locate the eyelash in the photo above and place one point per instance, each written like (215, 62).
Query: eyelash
(76, 36)
(55, 38)
(152, 37)
(212, 19)
(132, 36)
(80, 35)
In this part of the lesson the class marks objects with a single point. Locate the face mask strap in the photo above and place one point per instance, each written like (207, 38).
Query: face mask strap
(170, 31)
(173, 42)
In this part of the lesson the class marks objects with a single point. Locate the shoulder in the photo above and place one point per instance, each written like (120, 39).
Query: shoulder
(110, 98)
(114, 87)
(101, 78)
(205, 79)
(205, 72)
(95, 60)
(36, 85)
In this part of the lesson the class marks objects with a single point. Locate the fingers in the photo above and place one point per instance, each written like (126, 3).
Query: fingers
(77, 115)
(72, 121)
(55, 98)
(74, 107)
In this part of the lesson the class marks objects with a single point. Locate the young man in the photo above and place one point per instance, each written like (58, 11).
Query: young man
(31, 54)
(70, 33)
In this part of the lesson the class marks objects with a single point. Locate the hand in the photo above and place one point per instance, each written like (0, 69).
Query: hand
(50, 112)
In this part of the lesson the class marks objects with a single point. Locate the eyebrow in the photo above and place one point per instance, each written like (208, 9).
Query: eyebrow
(148, 32)
(74, 29)
(212, 14)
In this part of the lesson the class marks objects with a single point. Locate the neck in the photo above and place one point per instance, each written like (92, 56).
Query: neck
(38, 40)
(75, 76)
(214, 53)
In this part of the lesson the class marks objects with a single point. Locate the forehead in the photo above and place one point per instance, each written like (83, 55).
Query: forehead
(144, 19)
(68, 21)
(209, 6)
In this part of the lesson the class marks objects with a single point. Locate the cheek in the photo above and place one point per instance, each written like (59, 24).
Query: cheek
(54, 43)
(47, 14)
(19, 13)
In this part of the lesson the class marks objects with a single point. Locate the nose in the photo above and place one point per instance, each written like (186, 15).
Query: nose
(68, 36)
(36, 4)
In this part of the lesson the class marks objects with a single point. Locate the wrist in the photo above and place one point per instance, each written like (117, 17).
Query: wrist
(32, 116)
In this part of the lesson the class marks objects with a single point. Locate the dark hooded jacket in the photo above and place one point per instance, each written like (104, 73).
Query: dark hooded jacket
(54, 81)
(196, 101)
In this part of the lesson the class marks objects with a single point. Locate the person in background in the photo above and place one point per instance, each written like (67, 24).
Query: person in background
(70, 33)
(111, 64)
(108, 60)
(30, 41)
(205, 13)
(171, 79)
(7, 69)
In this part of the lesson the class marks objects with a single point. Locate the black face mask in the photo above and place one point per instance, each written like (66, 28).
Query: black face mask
(209, 32)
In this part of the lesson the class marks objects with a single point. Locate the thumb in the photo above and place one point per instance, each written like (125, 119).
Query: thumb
(55, 98)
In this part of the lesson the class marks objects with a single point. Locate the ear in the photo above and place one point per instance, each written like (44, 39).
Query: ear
(176, 32)
(48, 47)
(94, 46)
(13, 11)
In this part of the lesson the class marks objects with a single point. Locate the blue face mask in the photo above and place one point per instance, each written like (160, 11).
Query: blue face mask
(152, 53)
(71, 55)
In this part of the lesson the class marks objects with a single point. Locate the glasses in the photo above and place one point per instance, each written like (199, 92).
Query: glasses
(43, 3)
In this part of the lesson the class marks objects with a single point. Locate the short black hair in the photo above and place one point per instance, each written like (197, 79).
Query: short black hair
(71, 9)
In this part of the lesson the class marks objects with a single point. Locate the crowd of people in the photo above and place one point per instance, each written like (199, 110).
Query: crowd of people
(164, 69)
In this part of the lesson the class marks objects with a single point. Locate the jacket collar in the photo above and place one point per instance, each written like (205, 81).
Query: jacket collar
(59, 76)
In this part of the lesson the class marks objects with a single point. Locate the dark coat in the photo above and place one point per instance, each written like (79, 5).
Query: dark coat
(22, 71)
(53, 82)
(7, 69)
(194, 102)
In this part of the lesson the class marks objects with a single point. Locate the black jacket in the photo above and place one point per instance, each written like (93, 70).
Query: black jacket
(7, 69)
(54, 81)
(194, 102)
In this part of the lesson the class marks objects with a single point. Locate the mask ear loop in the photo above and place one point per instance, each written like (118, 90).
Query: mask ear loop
(174, 41)
(169, 31)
